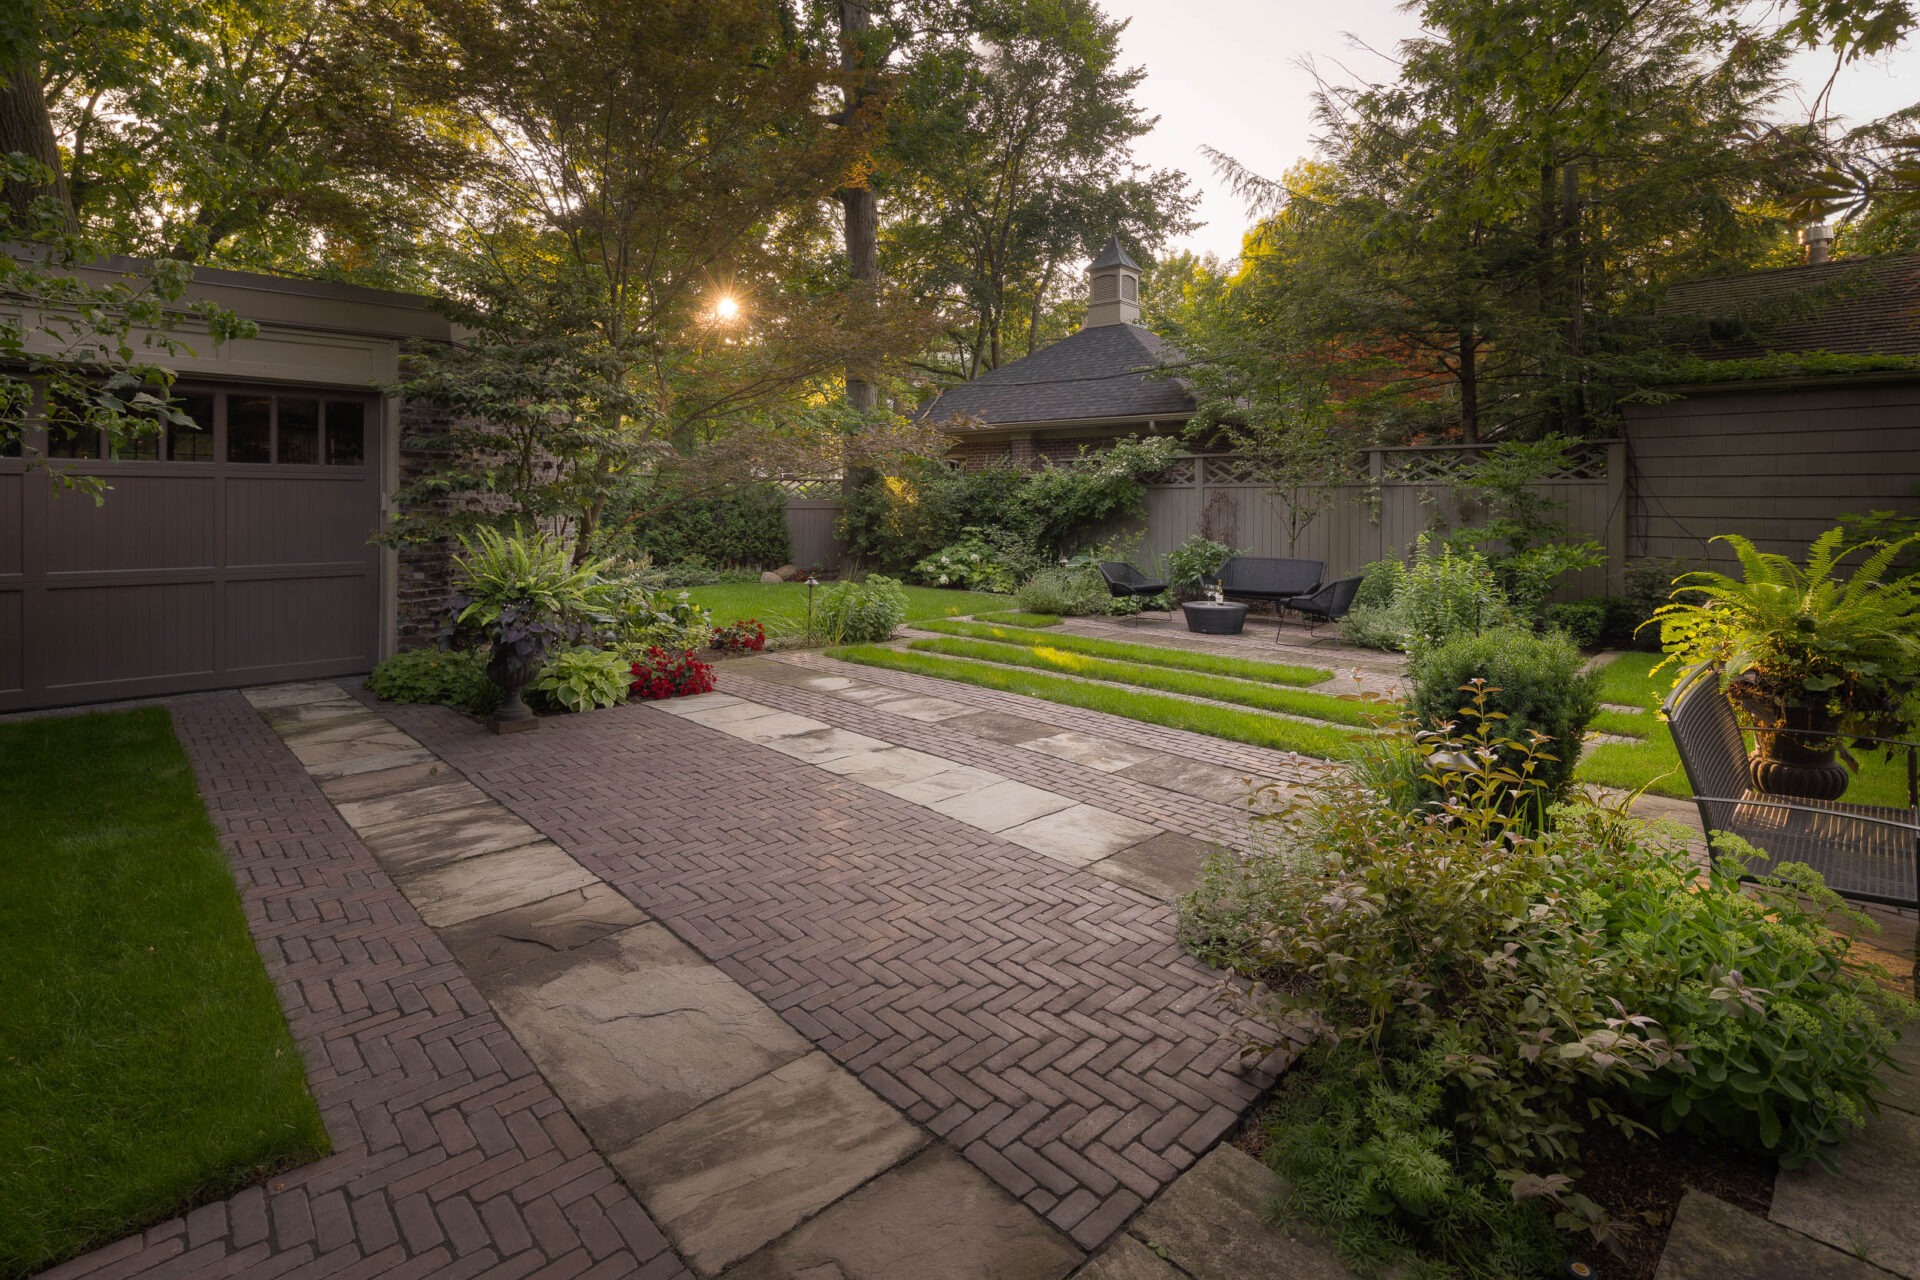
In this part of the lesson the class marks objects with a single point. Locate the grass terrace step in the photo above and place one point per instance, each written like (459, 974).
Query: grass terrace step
(1153, 655)
(1245, 693)
(1252, 727)
(1014, 618)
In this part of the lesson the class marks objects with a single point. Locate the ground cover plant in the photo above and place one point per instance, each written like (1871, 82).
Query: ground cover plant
(147, 1067)
(1246, 693)
(1262, 730)
(1156, 655)
(451, 677)
(1652, 762)
(1482, 995)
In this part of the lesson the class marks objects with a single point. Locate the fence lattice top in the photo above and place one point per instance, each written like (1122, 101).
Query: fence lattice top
(1432, 465)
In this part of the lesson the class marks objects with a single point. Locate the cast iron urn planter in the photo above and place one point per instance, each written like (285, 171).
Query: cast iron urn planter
(512, 669)
(1796, 747)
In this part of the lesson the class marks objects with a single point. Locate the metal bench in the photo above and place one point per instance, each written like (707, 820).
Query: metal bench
(1864, 852)
(1271, 580)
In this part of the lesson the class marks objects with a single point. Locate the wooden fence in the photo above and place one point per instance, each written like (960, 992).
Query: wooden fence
(1400, 494)
(813, 512)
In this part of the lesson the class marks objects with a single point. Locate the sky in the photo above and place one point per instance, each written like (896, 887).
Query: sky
(1227, 74)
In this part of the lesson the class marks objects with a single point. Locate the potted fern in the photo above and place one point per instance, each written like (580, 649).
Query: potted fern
(1811, 658)
(521, 591)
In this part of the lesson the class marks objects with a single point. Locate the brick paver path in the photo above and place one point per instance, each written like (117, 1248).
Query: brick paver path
(452, 1157)
(1040, 1019)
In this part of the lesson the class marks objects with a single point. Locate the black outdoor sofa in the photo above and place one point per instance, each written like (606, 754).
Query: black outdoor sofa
(1865, 852)
(1269, 580)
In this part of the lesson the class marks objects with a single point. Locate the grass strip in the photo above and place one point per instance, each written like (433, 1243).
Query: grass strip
(1246, 693)
(1152, 655)
(1014, 618)
(147, 1067)
(1256, 728)
(1653, 763)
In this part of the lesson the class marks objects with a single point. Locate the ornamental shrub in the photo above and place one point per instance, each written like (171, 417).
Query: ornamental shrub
(1195, 565)
(1067, 593)
(450, 677)
(660, 673)
(1483, 992)
(1533, 681)
(971, 564)
(744, 525)
(862, 612)
(1584, 621)
(582, 679)
(1446, 592)
(745, 635)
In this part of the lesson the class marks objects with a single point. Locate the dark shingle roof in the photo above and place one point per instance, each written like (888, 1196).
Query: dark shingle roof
(1096, 373)
(1851, 306)
(1113, 255)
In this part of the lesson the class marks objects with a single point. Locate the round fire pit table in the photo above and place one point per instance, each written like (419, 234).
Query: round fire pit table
(1210, 619)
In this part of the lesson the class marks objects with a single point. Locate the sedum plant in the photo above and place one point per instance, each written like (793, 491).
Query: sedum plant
(1789, 636)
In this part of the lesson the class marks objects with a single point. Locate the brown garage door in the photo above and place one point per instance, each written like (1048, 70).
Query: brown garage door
(233, 553)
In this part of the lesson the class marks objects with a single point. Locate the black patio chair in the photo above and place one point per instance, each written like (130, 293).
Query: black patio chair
(1329, 604)
(1866, 852)
(1125, 582)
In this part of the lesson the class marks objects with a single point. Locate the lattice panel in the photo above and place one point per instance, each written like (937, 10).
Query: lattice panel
(819, 487)
(1444, 466)
(1179, 471)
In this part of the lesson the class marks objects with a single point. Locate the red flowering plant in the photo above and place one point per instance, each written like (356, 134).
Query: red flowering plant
(661, 674)
(744, 636)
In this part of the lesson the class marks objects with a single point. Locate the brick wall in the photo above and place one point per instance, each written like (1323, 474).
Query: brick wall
(423, 583)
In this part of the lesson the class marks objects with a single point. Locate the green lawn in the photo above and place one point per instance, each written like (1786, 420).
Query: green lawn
(1247, 693)
(1014, 618)
(1153, 655)
(782, 606)
(145, 1066)
(1653, 763)
(1326, 741)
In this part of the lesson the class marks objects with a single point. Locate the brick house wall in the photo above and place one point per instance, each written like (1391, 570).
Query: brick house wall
(423, 582)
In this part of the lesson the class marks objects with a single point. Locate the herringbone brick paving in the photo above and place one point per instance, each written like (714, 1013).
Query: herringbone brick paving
(1170, 810)
(451, 1155)
(1282, 766)
(1042, 1020)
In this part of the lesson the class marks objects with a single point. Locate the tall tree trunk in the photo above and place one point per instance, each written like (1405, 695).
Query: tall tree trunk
(1573, 271)
(1469, 377)
(859, 206)
(27, 127)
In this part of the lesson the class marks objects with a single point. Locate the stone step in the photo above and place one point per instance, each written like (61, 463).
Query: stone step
(1713, 1240)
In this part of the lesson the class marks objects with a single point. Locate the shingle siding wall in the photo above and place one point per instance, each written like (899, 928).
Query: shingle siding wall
(1779, 467)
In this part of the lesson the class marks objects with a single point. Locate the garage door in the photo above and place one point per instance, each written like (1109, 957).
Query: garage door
(234, 552)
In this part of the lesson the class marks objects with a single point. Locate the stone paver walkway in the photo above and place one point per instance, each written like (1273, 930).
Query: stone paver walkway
(452, 1157)
(1038, 1019)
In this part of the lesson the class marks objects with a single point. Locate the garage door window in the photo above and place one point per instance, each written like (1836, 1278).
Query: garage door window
(249, 428)
(346, 433)
(192, 443)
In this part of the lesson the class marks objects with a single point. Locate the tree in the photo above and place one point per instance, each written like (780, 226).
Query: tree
(1500, 218)
(647, 255)
(1018, 162)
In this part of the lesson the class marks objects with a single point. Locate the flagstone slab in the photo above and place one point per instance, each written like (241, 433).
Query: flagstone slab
(432, 840)
(1190, 777)
(1127, 1259)
(295, 718)
(743, 1169)
(359, 747)
(776, 724)
(1870, 1206)
(997, 726)
(825, 745)
(934, 1218)
(929, 710)
(1080, 835)
(1162, 867)
(829, 684)
(955, 780)
(413, 802)
(1901, 1088)
(293, 695)
(393, 758)
(695, 702)
(1002, 805)
(475, 887)
(373, 783)
(1713, 1240)
(732, 713)
(889, 766)
(1095, 752)
(873, 694)
(1209, 1223)
(348, 726)
(508, 939)
(637, 1029)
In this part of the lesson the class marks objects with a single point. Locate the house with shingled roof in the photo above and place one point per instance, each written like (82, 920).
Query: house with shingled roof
(1105, 382)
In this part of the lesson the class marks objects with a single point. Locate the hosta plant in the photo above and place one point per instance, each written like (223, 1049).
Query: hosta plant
(582, 679)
